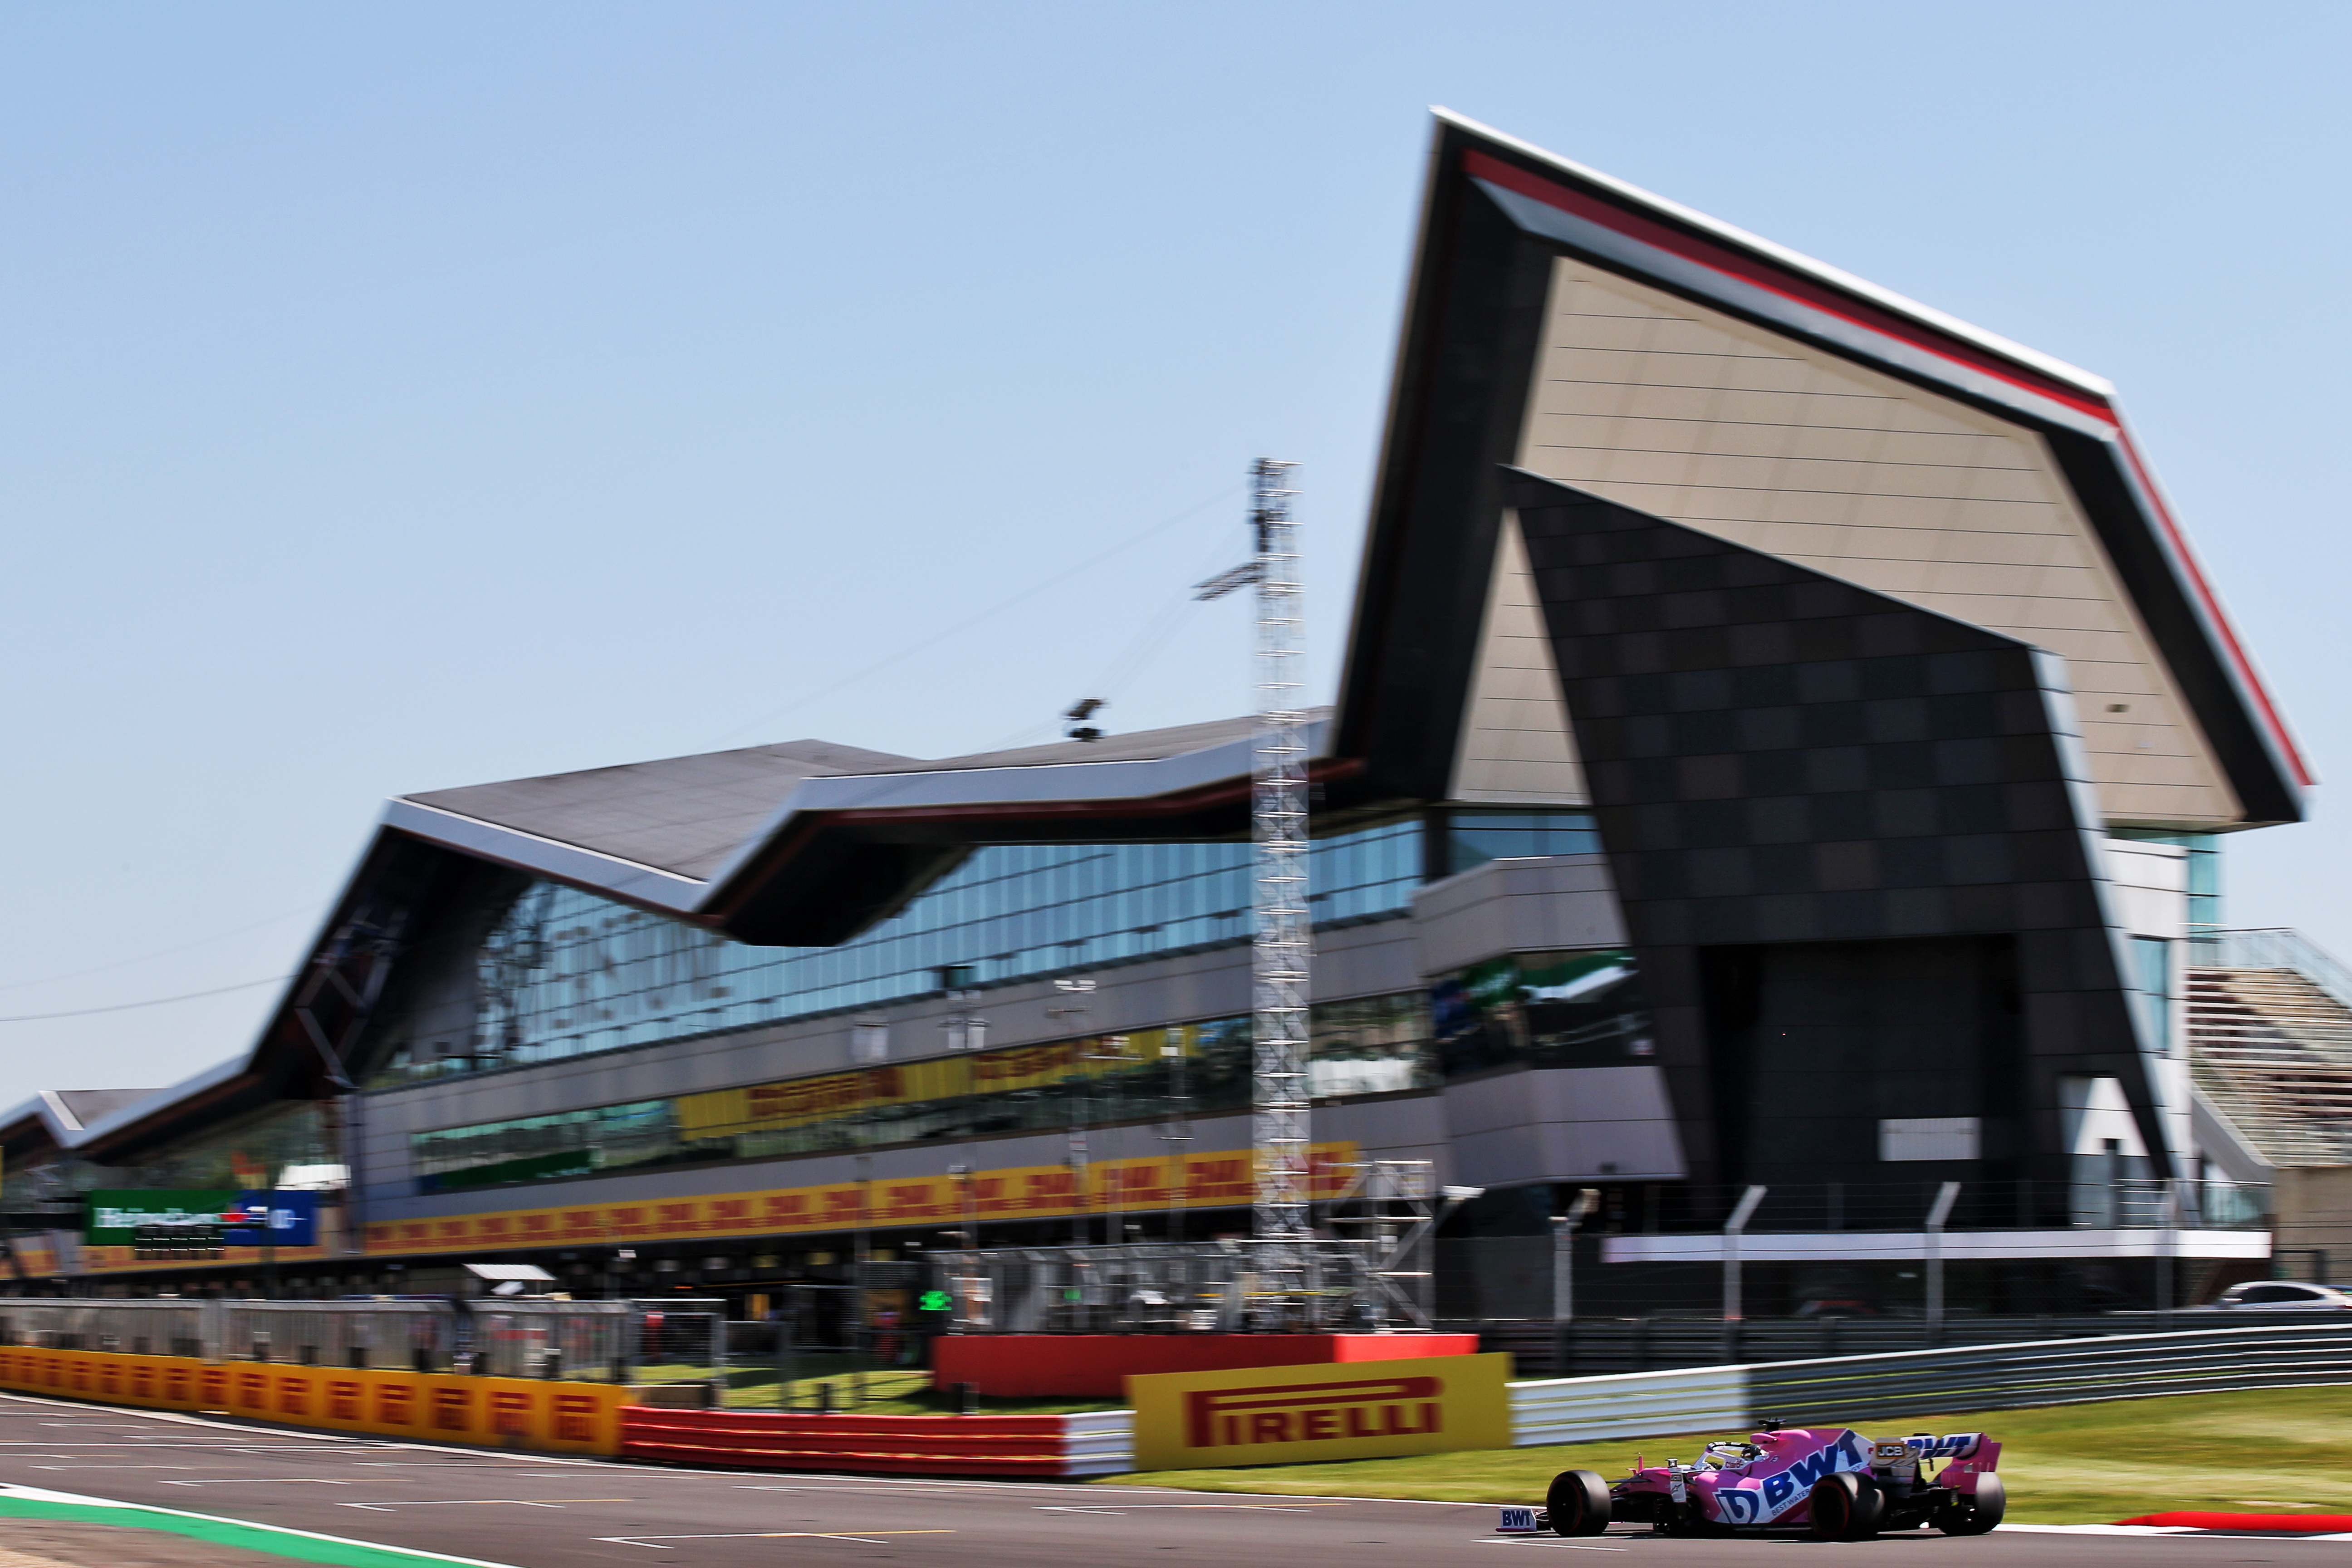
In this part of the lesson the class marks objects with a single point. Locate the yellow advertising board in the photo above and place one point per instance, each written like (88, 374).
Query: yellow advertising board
(1329, 1410)
(1208, 1180)
(527, 1413)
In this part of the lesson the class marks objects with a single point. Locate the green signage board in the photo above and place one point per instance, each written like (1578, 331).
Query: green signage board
(109, 1217)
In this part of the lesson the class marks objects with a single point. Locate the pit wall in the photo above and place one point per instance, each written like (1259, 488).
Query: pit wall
(441, 1407)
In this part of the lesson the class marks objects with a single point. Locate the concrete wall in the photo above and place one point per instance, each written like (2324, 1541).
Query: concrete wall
(2314, 1211)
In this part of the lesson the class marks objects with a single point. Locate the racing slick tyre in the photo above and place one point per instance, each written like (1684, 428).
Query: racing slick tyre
(1578, 1502)
(1846, 1506)
(1991, 1502)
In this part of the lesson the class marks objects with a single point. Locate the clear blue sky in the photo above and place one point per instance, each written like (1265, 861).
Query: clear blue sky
(400, 396)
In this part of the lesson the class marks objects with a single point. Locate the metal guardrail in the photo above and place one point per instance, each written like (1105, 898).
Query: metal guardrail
(2005, 1377)
(1631, 1405)
(1844, 1389)
(1596, 1346)
(2272, 947)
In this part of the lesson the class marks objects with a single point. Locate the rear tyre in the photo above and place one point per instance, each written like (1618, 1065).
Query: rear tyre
(1845, 1506)
(1578, 1503)
(1977, 1518)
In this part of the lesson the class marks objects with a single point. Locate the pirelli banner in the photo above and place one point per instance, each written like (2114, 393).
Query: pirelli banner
(1220, 1180)
(1330, 1410)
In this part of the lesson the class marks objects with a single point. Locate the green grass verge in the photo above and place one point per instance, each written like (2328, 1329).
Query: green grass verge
(2279, 1450)
(893, 1392)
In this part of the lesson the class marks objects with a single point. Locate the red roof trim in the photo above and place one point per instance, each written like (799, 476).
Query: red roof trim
(2205, 595)
(1788, 285)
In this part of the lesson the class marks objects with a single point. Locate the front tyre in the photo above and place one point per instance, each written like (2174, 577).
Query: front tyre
(1980, 1516)
(1578, 1502)
(1845, 1506)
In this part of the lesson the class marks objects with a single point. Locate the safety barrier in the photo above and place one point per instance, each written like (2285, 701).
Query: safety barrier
(592, 1417)
(1629, 1404)
(1599, 1347)
(1922, 1382)
(441, 1407)
(1092, 1444)
(2069, 1371)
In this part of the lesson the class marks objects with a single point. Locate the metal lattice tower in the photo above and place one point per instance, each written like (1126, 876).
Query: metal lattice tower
(1282, 947)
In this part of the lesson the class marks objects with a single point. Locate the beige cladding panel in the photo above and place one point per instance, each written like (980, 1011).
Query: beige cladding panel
(1516, 745)
(1689, 414)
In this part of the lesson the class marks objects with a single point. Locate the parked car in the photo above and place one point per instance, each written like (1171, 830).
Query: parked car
(2278, 1296)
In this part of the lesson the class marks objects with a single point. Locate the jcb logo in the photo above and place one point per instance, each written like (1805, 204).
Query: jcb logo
(1314, 1412)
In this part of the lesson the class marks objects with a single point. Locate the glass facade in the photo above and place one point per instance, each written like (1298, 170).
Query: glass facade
(1369, 1045)
(1543, 1009)
(252, 1151)
(561, 973)
(2151, 987)
(1473, 838)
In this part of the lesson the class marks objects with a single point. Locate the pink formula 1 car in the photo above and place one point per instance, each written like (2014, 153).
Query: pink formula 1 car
(1833, 1481)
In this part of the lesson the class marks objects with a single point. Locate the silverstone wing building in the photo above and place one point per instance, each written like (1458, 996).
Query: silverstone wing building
(1784, 742)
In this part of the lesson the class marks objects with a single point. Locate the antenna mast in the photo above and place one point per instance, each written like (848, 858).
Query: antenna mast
(1282, 947)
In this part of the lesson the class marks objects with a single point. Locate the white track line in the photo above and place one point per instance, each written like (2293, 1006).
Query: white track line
(38, 1494)
(649, 1540)
(2174, 1532)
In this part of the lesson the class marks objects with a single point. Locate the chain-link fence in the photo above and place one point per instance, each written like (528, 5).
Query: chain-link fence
(679, 1341)
(1169, 1288)
(129, 1327)
(590, 1341)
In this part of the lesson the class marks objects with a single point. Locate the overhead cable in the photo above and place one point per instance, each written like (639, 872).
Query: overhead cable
(1001, 605)
(150, 1002)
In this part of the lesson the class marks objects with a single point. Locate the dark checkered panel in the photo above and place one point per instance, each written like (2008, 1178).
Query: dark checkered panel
(1777, 757)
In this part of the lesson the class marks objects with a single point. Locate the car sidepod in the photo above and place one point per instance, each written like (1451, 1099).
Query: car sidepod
(1777, 1489)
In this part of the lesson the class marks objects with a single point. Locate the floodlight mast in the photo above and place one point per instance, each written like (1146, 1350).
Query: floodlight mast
(1281, 948)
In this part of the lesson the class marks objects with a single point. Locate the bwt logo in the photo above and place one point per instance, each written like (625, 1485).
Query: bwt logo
(1313, 1412)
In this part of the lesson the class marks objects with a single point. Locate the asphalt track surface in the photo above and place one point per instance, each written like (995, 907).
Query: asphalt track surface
(530, 1511)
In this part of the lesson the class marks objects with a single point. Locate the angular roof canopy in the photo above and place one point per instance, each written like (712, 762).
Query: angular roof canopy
(1572, 325)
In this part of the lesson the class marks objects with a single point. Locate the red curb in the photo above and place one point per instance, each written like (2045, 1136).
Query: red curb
(2300, 1523)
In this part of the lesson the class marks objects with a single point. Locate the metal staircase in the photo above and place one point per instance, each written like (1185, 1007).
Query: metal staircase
(2270, 1039)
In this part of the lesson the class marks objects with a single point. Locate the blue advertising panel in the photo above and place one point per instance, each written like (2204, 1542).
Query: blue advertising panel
(274, 1219)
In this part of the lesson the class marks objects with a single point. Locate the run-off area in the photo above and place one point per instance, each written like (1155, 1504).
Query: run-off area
(529, 1511)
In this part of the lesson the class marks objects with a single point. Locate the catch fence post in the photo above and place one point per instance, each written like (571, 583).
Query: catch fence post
(1733, 1228)
(2167, 1239)
(1563, 1273)
(1946, 1196)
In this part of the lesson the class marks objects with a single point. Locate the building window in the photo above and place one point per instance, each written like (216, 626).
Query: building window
(2151, 986)
(1475, 837)
(562, 972)
(1545, 1009)
(1364, 1045)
